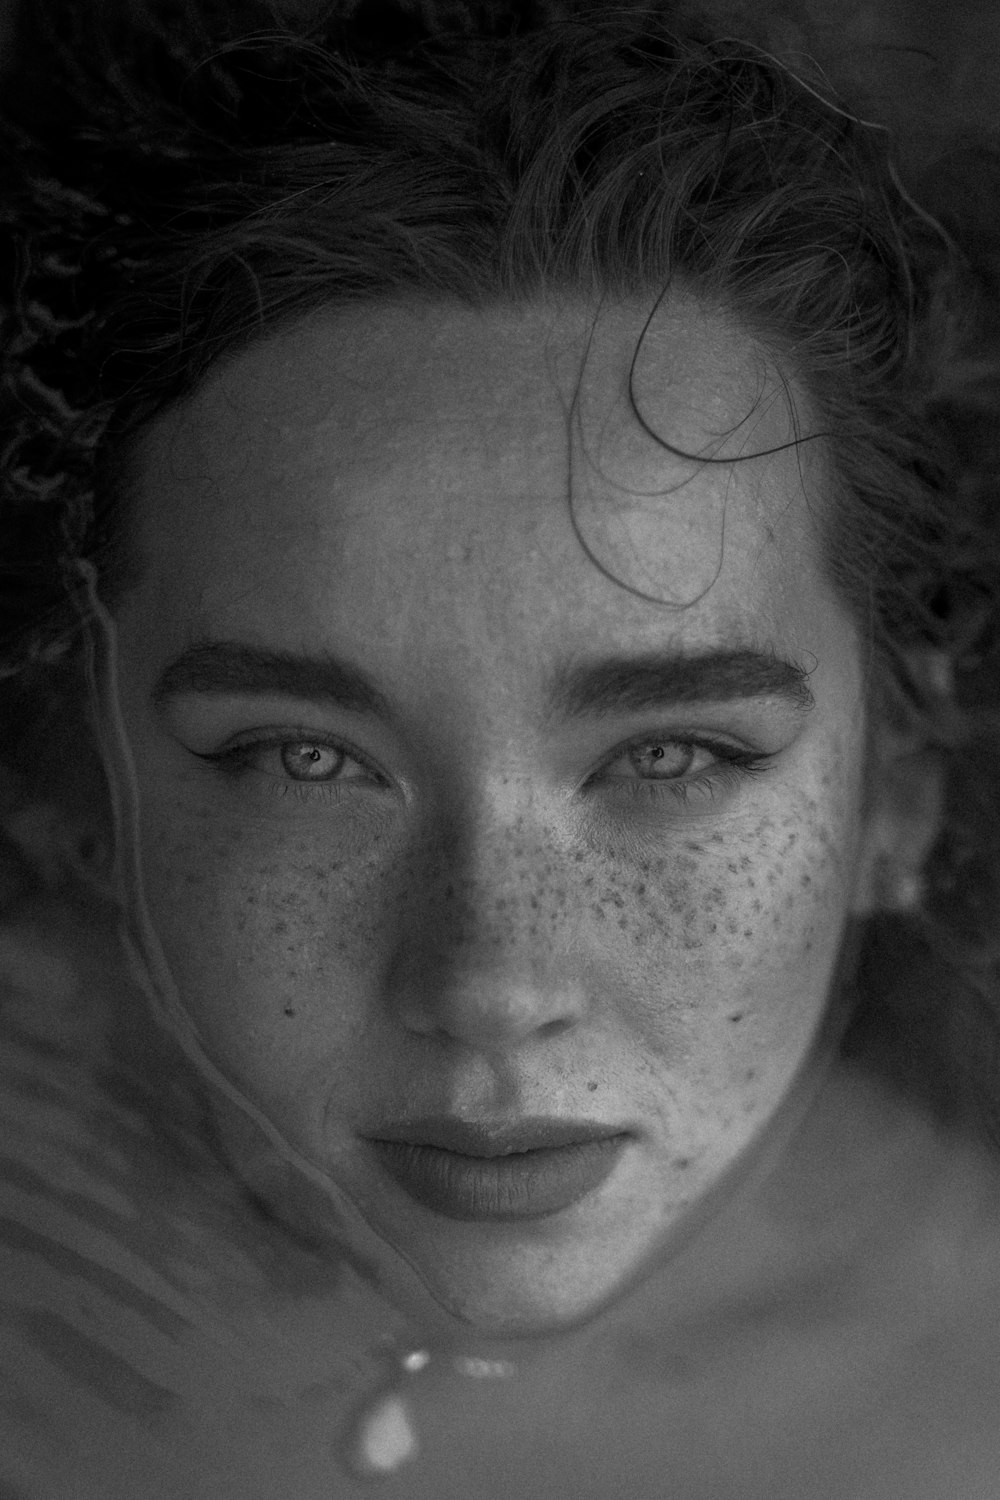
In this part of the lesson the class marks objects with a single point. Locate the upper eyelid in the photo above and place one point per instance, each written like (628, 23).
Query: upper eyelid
(713, 743)
(668, 736)
(709, 740)
(264, 741)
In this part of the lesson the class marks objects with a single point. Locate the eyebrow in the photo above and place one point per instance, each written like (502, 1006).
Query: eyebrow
(578, 690)
(647, 682)
(234, 668)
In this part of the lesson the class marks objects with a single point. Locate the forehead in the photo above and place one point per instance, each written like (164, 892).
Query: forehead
(443, 455)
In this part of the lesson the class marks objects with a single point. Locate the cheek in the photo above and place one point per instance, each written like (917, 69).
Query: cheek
(261, 936)
(715, 950)
(730, 946)
(771, 889)
(766, 895)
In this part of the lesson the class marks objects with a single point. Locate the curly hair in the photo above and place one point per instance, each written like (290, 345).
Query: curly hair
(185, 186)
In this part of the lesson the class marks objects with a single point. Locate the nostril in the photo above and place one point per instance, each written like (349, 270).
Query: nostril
(484, 1014)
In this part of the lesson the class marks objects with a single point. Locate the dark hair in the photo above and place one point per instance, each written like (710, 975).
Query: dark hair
(168, 210)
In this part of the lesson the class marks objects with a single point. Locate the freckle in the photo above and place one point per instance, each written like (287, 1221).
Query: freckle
(588, 882)
(692, 847)
(745, 862)
(737, 1015)
(717, 838)
(733, 867)
(289, 1010)
(751, 1074)
(599, 912)
(682, 1163)
(757, 906)
(748, 932)
(713, 926)
(592, 1086)
(806, 881)
(622, 922)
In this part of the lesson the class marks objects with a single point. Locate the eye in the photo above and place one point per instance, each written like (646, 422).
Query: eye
(691, 772)
(306, 767)
(305, 760)
(666, 760)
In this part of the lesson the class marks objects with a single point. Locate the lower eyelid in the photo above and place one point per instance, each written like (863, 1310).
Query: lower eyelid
(256, 786)
(720, 778)
(238, 759)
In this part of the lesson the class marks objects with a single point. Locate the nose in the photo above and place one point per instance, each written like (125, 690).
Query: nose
(486, 1010)
(483, 957)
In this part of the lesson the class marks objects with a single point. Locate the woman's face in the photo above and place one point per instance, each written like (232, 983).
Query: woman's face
(511, 898)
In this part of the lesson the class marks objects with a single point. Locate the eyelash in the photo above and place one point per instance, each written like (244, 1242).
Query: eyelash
(234, 764)
(731, 769)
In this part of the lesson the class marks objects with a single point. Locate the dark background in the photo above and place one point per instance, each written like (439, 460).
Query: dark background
(926, 68)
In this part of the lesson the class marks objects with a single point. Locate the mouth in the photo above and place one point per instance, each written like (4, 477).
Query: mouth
(530, 1170)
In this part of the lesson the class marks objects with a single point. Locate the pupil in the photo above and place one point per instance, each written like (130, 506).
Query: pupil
(653, 754)
(300, 759)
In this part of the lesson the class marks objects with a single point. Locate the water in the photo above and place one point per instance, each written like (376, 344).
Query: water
(382, 1438)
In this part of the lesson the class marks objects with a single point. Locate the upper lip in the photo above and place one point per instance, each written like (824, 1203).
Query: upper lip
(470, 1138)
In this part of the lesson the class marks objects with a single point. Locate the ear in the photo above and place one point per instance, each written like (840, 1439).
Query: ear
(904, 808)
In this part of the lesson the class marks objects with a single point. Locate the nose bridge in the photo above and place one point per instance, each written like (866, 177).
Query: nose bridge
(479, 956)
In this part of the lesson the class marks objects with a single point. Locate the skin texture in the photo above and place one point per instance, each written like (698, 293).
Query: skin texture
(497, 917)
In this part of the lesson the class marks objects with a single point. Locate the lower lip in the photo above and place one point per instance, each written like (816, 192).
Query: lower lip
(523, 1185)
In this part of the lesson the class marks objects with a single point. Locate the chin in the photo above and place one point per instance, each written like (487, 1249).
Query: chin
(511, 1282)
(510, 1307)
(519, 1279)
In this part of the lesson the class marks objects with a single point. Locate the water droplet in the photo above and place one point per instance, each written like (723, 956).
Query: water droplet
(415, 1361)
(383, 1439)
(484, 1369)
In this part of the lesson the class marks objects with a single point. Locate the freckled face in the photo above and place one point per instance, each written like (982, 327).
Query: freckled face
(491, 901)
